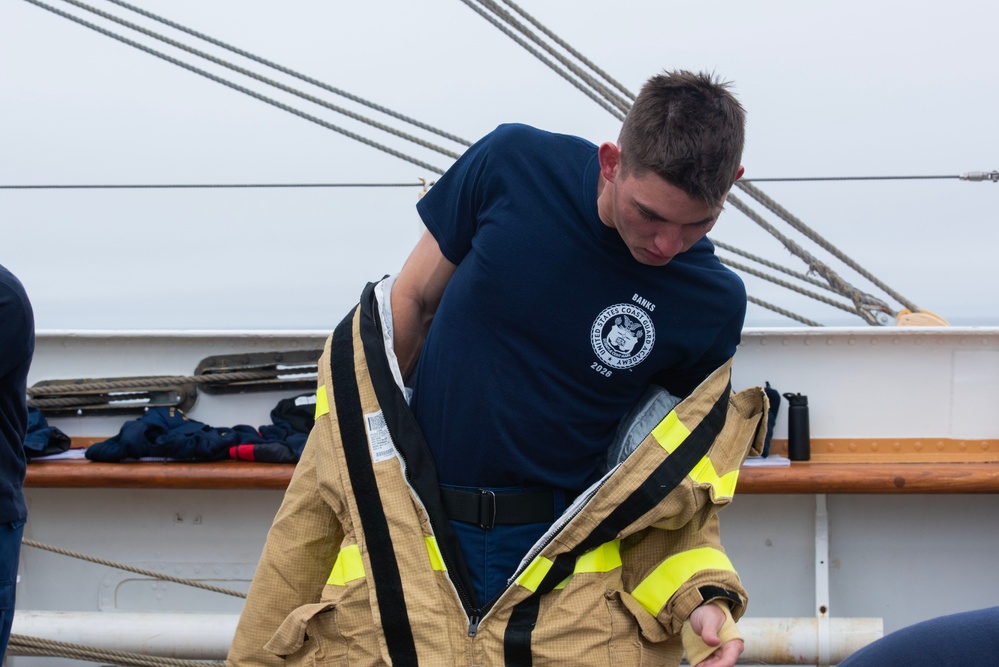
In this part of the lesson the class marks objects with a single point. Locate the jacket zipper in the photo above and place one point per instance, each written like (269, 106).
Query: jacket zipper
(474, 614)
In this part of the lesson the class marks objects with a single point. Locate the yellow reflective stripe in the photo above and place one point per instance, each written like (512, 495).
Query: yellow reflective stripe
(704, 473)
(670, 432)
(434, 551)
(604, 558)
(348, 566)
(657, 588)
(535, 572)
(322, 402)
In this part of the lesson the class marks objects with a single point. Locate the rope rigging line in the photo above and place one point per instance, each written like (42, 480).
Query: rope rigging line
(799, 179)
(783, 283)
(25, 645)
(289, 72)
(589, 93)
(804, 229)
(212, 185)
(135, 570)
(608, 95)
(864, 302)
(782, 311)
(866, 305)
(236, 87)
(265, 80)
(35, 646)
(966, 176)
(773, 265)
(76, 394)
(158, 381)
(576, 54)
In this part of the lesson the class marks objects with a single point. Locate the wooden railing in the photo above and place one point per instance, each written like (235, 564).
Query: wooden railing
(799, 477)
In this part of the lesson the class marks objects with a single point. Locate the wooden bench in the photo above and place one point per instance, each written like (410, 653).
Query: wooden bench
(799, 477)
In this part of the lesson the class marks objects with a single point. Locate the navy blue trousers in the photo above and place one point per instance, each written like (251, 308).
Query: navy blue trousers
(493, 555)
(968, 638)
(10, 554)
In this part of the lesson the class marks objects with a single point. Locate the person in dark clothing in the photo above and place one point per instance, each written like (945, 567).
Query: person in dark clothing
(557, 279)
(968, 638)
(17, 345)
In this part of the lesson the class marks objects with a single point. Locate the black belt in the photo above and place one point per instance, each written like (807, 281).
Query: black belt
(487, 509)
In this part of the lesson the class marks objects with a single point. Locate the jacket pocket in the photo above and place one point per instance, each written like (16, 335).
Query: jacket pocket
(308, 636)
(338, 630)
(656, 646)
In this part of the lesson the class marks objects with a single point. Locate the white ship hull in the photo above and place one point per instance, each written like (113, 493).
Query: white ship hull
(824, 541)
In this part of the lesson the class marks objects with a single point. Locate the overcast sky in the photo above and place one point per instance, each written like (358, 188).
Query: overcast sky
(832, 89)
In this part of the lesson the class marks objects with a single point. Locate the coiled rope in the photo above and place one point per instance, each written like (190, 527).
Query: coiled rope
(64, 391)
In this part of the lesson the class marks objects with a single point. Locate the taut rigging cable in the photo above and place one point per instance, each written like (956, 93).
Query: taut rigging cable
(868, 307)
(814, 236)
(265, 80)
(612, 108)
(152, 186)
(297, 75)
(237, 87)
(575, 54)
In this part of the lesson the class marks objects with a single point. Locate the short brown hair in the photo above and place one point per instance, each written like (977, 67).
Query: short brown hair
(687, 128)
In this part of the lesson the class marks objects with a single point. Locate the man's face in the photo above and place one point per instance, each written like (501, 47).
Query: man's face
(656, 220)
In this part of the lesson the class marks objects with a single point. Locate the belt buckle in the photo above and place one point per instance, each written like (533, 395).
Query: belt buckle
(487, 509)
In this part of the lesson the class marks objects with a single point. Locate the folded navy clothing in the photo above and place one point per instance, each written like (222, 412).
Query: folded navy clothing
(284, 440)
(42, 439)
(169, 433)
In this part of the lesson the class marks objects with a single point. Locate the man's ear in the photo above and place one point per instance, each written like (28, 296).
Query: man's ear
(738, 174)
(610, 160)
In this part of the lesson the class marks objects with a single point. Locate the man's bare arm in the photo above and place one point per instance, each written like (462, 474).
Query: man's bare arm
(415, 296)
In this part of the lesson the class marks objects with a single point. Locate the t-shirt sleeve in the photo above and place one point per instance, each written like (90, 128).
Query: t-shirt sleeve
(452, 208)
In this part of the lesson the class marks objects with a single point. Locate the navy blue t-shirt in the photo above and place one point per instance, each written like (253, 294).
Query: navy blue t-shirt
(549, 331)
(17, 345)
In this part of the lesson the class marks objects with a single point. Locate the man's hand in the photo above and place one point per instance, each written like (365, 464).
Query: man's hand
(707, 622)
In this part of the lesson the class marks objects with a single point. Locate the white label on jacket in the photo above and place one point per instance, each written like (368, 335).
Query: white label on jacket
(379, 438)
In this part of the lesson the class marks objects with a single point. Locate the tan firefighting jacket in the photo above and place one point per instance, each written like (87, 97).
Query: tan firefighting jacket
(361, 566)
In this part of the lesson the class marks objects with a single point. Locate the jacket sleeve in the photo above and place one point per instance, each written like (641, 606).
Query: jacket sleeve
(678, 563)
(300, 551)
(691, 568)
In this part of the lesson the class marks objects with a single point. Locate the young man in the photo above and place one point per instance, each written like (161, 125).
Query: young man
(487, 522)
(17, 345)
(560, 279)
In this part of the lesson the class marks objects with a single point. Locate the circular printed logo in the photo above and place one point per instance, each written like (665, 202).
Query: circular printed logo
(622, 336)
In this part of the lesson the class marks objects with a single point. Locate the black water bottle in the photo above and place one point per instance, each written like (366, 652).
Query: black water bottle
(799, 445)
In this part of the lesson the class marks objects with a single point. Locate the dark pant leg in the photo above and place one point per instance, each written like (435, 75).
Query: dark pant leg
(968, 638)
(10, 553)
